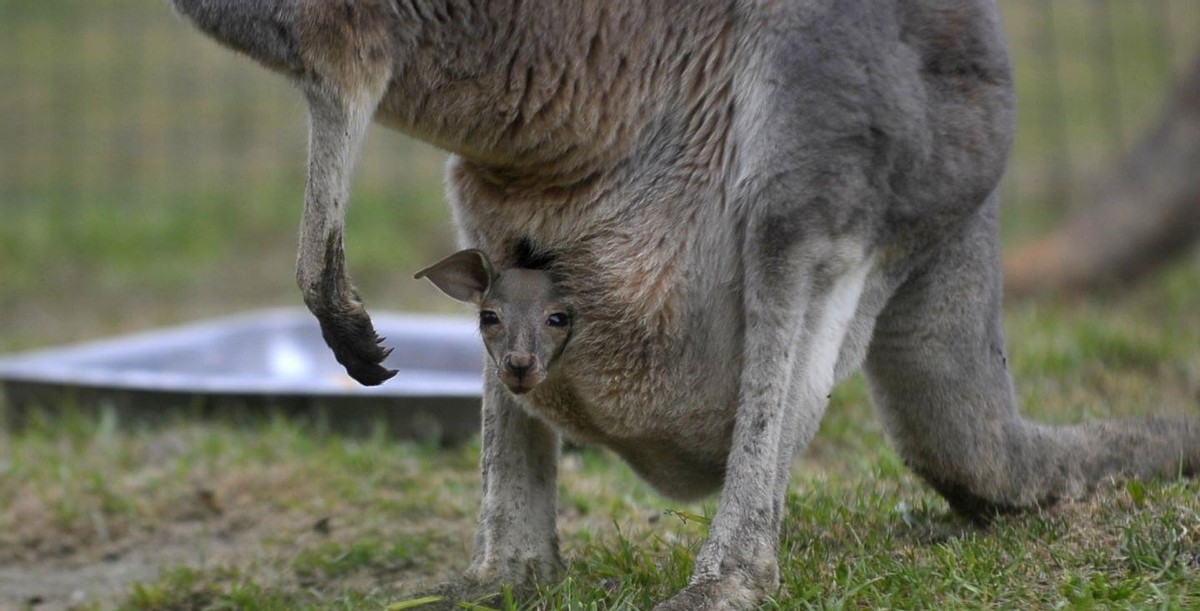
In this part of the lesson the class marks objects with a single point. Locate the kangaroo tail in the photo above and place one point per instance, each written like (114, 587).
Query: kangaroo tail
(1148, 448)
(1038, 465)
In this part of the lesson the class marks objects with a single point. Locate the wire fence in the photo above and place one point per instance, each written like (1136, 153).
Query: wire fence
(115, 107)
(116, 101)
(1091, 75)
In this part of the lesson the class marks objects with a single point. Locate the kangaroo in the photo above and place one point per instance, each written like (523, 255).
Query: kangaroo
(523, 317)
(749, 200)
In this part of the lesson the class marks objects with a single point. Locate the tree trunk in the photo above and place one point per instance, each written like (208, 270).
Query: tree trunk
(1145, 211)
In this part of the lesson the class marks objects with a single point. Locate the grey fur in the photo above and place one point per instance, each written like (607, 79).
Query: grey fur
(747, 199)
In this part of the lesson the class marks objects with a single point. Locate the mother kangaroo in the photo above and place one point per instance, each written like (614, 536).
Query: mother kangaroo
(749, 200)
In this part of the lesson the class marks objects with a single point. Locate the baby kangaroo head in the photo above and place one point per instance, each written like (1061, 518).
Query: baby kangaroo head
(524, 319)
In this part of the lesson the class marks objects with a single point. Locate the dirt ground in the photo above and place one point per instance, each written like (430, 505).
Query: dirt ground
(262, 506)
(59, 572)
(64, 574)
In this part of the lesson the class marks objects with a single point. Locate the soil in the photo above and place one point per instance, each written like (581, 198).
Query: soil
(62, 573)
(99, 574)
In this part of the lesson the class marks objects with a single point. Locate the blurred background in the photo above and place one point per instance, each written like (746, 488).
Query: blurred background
(148, 176)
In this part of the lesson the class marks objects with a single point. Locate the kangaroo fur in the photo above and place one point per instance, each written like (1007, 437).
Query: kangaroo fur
(748, 200)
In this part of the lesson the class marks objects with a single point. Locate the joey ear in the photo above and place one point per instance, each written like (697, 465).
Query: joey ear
(464, 275)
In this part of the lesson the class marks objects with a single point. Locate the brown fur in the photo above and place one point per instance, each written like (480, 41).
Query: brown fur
(746, 200)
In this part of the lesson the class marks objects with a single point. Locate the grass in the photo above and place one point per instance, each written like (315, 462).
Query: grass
(277, 515)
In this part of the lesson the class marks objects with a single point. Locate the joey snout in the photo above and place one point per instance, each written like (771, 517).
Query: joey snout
(520, 372)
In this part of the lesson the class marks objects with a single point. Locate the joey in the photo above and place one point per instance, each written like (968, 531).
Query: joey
(524, 317)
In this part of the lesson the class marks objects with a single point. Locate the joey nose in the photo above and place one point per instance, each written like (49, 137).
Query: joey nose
(518, 364)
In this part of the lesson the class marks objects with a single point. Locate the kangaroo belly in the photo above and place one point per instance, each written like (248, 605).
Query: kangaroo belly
(679, 445)
(654, 367)
(663, 397)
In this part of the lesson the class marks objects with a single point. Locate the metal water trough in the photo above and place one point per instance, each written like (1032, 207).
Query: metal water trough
(272, 361)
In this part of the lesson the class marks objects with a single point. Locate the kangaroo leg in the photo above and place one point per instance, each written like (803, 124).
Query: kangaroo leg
(516, 542)
(938, 375)
(346, 49)
(338, 126)
(801, 290)
(339, 54)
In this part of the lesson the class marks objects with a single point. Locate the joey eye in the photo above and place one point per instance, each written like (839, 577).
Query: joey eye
(558, 319)
(488, 318)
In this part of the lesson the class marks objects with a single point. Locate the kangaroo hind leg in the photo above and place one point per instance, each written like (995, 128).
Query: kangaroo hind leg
(939, 377)
(802, 290)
